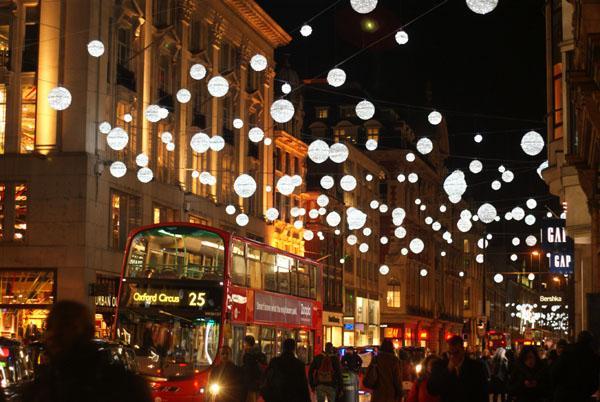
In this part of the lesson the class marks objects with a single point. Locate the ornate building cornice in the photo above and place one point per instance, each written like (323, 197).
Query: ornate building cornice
(258, 19)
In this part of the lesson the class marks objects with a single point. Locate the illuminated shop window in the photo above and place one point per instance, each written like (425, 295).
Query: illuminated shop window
(125, 215)
(20, 211)
(393, 295)
(2, 201)
(28, 108)
(2, 112)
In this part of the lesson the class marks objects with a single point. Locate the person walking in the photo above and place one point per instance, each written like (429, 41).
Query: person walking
(499, 375)
(285, 378)
(254, 364)
(225, 379)
(76, 370)
(352, 361)
(527, 383)
(325, 375)
(458, 379)
(384, 375)
(576, 372)
(419, 392)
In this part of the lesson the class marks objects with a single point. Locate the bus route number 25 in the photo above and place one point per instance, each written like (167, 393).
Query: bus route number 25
(197, 299)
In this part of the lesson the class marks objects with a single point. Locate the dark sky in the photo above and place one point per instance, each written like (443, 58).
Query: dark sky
(486, 74)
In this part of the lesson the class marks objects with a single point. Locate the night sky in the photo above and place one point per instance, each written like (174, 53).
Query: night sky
(484, 73)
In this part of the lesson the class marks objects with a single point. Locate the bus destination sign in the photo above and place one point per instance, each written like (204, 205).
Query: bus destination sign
(189, 298)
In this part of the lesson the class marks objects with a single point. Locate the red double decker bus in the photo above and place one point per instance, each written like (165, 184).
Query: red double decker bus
(188, 289)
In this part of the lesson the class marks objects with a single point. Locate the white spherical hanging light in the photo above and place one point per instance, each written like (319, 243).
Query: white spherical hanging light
(256, 134)
(318, 151)
(404, 251)
(216, 143)
(374, 204)
(59, 98)
(338, 152)
(367, 232)
(272, 214)
(200, 143)
(498, 278)
(475, 166)
(95, 48)
(513, 257)
(244, 185)
(197, 72)
(401, 178)
(434, 118)
(543, 166)
(145, 175)
(166, 137)
(400, 232)
(369, 177)
(483, 243)
(152, 113)
(413, 178)
(238, 123)
(496, 185)
(258, 62)
(482, 6)
(531, 276)
(461, 274)
(399, 214)
(479, 258)
(336, 77)
(508, 216)
(118, 169)
(530, 220)
(286, 88)
(322, 200)
(363, 6)
(298, 224)
(478, 138)
(142, 160)
(424, 146)
(285, 185)
(383, 240)
(487, 213)
(371, 144)
(282, 110)
(355, 218)
(230, 209)
(531, 203)
(306, 30)
(183, 95)
(384, 270)
(218, 86)
(507, 176)
(518, 213)
(416, 245)
(401, 37)
(117, 139)
(532, 143)
(104, 127)
(327, 182)
(410, 157)
(531, 240)
(464, 225)
(515, 241)
(423, 272)
(443, 208)
(365, 110)
(363, 248)
(242, 220)
(333, 219)
(455, 185)
(308, 235)
(352, 240)
(348, 183)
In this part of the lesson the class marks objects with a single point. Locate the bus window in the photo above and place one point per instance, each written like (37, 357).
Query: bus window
(254, 270)
(268, 271)
(237, 344)
(284, 265)
(294, 278)
(175, 253)
(313, 281)
(303, 280)
(282, 335)
(304, 346)
(238, 271)
(267, 342)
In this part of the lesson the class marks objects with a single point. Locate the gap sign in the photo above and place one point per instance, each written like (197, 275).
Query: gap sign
(560, 246)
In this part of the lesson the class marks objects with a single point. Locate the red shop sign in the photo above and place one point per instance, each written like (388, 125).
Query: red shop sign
(280, 309)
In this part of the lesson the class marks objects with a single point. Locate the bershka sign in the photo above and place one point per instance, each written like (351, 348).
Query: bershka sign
(550, 299)
(558, 245)
(279, 309)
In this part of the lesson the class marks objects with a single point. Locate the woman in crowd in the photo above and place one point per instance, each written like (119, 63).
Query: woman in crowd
(527, 381)
(499, 375)
(419, 392)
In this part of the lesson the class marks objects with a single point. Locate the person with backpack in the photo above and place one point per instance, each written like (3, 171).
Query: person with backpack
(285, 378)
(76, 370)
(325, 375)
(419, 392)
(254, 364)
(499, 375)
(384, 375)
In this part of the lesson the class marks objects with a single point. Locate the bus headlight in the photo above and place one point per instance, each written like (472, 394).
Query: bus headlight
(214, 388)
(418, 368)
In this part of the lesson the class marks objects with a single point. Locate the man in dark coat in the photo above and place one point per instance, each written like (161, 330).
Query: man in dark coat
(253, 365)
(458, 379)
(575, 373)
(76, 370)
(285, 379)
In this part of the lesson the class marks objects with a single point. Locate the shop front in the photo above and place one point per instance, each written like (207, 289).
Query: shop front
(393, 333)
(105, 292)
(366, 325)
(26, 298)
(333, 328)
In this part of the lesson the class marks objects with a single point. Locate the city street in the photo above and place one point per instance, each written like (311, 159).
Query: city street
(299, 200)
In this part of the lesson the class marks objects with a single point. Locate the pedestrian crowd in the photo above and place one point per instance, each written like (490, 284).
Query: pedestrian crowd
(567, 373)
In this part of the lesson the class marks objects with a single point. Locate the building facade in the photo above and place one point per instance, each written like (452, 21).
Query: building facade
(573, 87)
(65, 218)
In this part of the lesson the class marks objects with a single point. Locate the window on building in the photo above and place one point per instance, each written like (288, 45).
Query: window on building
(466, 246)
(2, 202)
(162, 214)
(28, 108)
(21, 196)
(339, 134)
(5, 19)
(227, 171)
(254, 80)
(165, 159)
(558, 106)
(227, 120)
(125, 215)
(31, 43)
(201, 105)
(467, 299)
(125, 70)
(163, 12)
(347, 111)
(227, 57)
(198, 36)
(124, 109)
(164, 75)
(373, 133)
(322, 112)
(2, 116)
